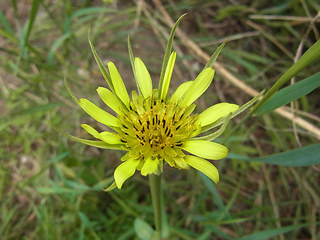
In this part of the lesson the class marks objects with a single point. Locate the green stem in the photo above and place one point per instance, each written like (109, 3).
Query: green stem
(155, 187)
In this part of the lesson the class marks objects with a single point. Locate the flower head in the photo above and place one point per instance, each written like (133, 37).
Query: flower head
(153, 127)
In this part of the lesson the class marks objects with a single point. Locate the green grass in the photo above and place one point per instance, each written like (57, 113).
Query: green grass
(50, 187)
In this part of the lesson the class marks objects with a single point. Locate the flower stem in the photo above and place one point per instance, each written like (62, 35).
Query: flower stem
(155, 187)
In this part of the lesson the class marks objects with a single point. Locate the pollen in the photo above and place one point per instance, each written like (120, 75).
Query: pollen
(157, 129)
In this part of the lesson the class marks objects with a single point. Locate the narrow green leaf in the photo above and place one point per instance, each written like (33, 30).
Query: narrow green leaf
(290, 93)
(143, 229)
(56, 45)
(215, 55)
(8, 36)
(32, 17)
(30, 111)
(270, 233)
(91, 10)
(168, 53)
(213, 190)
(102, 68)
(58, 190)
(5, 23)
(307, 58)
(300, 157)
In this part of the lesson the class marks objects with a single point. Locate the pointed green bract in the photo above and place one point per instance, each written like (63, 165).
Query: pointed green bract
(215, 55)
(167, 53)
(98, 114)
(181, 91)
(203, 166)
(69, 91)
(167, 76)
(111, 187)
(150, 166)
(118, 84)
(143, 78)
(216, 112)
(132, 63)
(216, 134)
(110, 99)
(98, 144)
(102, 68)
(199, 86)
(124, 171)
(206, 149)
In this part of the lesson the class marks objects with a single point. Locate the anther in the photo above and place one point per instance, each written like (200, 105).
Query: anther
(168, 133)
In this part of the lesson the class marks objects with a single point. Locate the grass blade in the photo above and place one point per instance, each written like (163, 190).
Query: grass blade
(33, 15)
(307, 58)
(290, 93)
(267, 234)
(301, 157)
(6, 24)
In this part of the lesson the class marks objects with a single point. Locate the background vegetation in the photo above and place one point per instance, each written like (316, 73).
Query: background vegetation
(50, 187)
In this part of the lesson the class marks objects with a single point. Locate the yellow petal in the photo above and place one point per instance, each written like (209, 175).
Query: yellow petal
(90, 130)
(167, 76)
(181, 163)
(206, 149)
(199, 86)
(212, 114)
(98, 114)
(109, 99)
(203, 166)
(180, 92)
(107, 137)
(119, 87)
(143, 78)
(150, 166)
(124, 171)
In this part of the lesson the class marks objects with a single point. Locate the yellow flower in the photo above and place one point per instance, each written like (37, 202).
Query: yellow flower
(155, 128)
